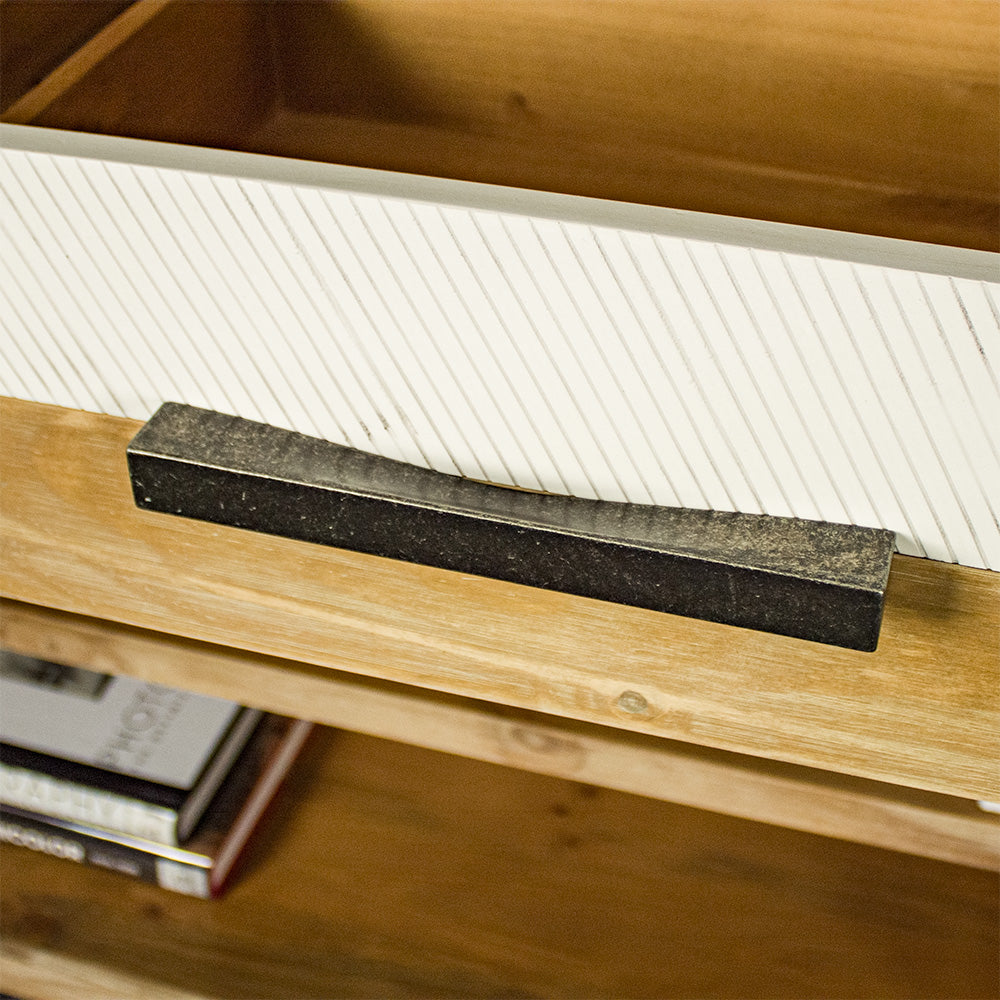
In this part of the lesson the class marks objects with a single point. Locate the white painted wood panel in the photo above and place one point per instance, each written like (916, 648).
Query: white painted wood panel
(554, 343)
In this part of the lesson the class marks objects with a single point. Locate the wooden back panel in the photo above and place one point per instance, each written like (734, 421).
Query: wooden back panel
(877, 117)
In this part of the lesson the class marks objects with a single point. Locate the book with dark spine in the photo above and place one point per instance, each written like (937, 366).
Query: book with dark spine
(203, 867)
(111, 752)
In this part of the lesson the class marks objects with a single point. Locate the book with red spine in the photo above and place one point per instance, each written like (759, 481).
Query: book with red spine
(205, 865)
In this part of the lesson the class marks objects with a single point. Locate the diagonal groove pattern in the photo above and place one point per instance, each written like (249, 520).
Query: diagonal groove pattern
(551, 353)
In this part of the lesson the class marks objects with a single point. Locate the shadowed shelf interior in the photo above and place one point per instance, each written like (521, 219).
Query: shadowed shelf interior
(395, 872)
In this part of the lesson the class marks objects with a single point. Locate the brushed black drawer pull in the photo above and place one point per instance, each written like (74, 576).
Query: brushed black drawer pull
(808, 579)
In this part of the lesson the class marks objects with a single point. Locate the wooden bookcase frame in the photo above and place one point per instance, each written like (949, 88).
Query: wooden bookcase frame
(888, 749)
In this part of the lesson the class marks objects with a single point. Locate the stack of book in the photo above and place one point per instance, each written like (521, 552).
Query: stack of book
(160, 784)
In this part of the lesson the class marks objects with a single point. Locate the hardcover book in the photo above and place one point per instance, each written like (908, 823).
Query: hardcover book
(205, 865)
(113, 752)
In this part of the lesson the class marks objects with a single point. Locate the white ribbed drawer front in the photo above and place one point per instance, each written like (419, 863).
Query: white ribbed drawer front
(550, 342)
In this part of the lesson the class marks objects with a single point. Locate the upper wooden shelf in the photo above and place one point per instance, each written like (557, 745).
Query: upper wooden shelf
(922, 711)
(877, 117)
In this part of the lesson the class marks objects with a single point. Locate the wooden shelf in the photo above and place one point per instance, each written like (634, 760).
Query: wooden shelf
(869, 812)
(778, 818)
(392, 871)
(758, 109)
(74, 540)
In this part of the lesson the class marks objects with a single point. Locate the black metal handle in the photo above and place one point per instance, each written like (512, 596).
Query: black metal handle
(808, 579)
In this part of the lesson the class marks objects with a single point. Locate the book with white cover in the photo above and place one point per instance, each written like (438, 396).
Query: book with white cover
(206, 863)
(113, 752)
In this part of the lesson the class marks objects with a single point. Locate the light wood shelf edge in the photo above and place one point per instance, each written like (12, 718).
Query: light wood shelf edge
(72, 539)
(872, 813)
(41, 972)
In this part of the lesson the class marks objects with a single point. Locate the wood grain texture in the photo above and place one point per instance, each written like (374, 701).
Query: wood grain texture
(888, 816)
(397, 872)
(30, 971)
(922, 711)
(760, 109)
